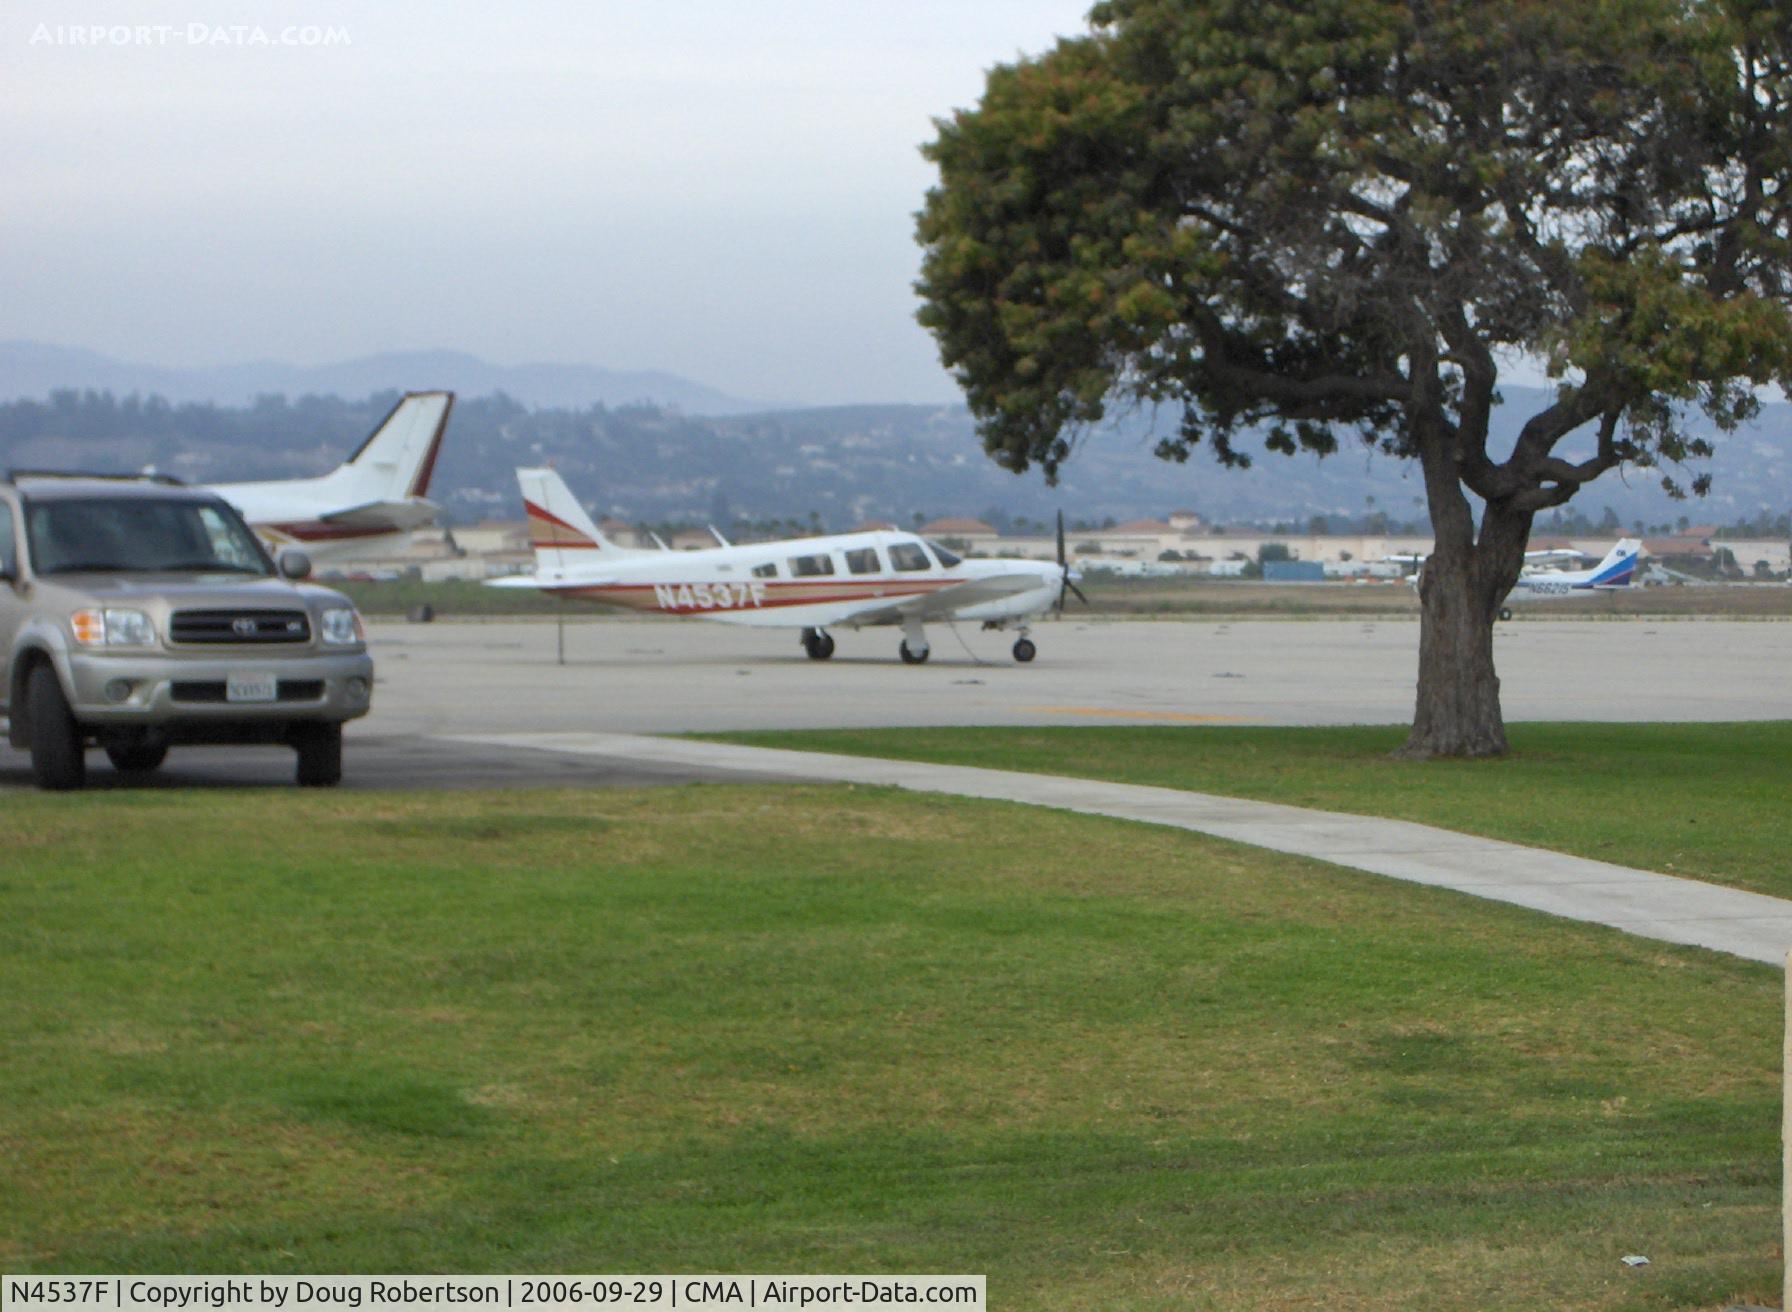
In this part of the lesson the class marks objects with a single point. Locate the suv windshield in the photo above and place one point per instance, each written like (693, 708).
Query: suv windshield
(144, 535)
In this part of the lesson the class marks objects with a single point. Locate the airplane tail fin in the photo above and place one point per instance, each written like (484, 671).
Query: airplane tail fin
(559, 529)
(398, 458)
(1619, 565)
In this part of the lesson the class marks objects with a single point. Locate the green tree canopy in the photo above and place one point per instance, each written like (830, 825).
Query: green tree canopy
(1335, 219)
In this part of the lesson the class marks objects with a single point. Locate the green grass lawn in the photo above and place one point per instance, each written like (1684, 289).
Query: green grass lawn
(805, 1029)
(1707, 801)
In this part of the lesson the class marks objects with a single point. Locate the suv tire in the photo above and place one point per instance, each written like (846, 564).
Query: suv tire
(136, 758)
(58, 748)
(320, 755)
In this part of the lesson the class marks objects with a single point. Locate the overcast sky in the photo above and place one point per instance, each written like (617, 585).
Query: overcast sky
(720, 189)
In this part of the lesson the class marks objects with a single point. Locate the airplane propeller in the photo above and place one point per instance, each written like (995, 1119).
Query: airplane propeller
(1064, 567)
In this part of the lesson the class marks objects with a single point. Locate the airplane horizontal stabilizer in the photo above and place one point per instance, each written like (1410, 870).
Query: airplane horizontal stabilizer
(414, 512)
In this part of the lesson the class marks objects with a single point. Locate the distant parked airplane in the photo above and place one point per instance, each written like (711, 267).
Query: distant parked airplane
(370, 503)
(1610, 574)
(848, 580)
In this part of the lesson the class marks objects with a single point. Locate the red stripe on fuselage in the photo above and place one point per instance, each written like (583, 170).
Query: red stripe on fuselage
(772, 594)
(314, 531)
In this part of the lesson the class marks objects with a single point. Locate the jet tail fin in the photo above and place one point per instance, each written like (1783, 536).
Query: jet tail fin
(559, 529)
(398, 458)
(1619, 565)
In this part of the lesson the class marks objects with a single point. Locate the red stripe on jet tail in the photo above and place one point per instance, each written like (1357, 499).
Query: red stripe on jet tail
(578, 541)
(420, 484)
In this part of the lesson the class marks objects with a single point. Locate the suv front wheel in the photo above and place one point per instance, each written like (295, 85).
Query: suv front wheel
(320, 754)
(58, 747)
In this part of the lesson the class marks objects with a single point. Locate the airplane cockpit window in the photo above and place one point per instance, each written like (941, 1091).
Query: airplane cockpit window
(908, 557)
(946, 557)
(769, 570)
(807, 567)
(863, 560)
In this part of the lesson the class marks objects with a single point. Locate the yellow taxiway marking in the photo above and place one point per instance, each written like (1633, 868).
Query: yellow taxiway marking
(1111, 713)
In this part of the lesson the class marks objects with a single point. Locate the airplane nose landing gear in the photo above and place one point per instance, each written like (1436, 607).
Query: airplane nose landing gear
(1024, 650)
(914, 649)
(818, 643)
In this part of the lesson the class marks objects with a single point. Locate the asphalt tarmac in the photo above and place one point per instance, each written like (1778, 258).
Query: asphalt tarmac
(447, 680)
(631, 676)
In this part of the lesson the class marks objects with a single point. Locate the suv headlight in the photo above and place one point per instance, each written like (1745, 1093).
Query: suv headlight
(113, 627)
(340, 627)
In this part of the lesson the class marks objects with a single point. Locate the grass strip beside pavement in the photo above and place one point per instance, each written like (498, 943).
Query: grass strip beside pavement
(1705, 801)
(814, 1029)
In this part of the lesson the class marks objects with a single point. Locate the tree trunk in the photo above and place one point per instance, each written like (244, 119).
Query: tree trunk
(1457, 711)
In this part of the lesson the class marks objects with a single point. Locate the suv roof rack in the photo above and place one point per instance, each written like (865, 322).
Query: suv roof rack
(147, 476)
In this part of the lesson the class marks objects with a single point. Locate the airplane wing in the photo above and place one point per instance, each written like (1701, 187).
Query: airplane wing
(550, 583)
(411, 513)
(943, 604)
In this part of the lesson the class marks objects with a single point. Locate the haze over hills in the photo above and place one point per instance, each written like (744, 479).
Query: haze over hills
(35, 369)
(837, 466)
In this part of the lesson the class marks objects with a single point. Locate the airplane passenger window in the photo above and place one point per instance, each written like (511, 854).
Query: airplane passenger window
(863, 560)
(804, 567)
(769, 570)
(909, 557)
(946, 557)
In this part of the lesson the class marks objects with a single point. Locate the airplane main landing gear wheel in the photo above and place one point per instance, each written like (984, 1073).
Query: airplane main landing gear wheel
(1024, 650)
(1505, 612)
(913, 656)
(819, 644)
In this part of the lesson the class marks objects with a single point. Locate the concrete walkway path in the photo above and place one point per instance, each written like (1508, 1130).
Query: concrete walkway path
(1749, 925)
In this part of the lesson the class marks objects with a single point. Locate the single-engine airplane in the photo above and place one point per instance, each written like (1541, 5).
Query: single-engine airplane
(371, 502)
(1610, 574)
(846, 580)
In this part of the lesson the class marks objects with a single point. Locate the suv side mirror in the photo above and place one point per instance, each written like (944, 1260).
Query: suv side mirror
(294, 564)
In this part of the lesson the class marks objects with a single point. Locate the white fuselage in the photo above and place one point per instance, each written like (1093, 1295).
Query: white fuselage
(296, 513)
(848, 580)
(1612, 574)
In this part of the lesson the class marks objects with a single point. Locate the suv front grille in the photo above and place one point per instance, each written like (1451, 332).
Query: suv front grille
(239, 626)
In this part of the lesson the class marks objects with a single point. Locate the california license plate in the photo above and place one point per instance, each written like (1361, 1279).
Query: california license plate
(251, 688)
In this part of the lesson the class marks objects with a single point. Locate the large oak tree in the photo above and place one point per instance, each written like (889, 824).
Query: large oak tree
(1335, 220)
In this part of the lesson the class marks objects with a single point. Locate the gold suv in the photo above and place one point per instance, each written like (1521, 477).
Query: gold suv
(138, 613)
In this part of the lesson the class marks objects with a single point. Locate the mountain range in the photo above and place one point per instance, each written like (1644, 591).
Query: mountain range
(35, 369)
(662, 459)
